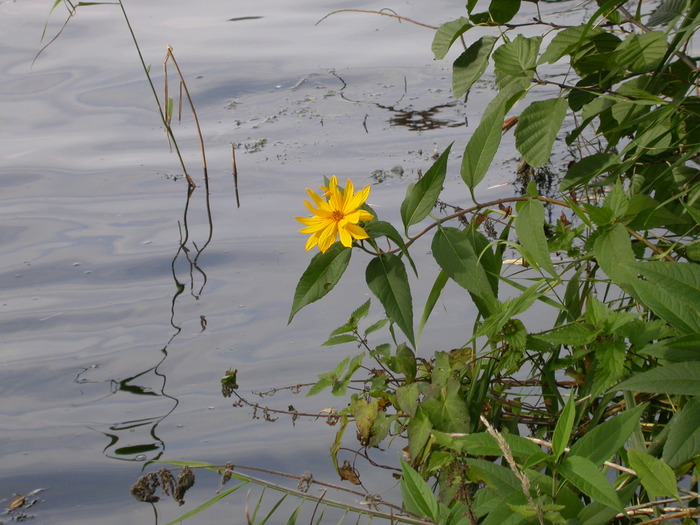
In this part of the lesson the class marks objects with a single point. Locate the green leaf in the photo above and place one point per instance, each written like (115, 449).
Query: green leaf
(446, 35)
(376, 326)
(573, 334)
(502, 11)
(376, 229)
(445, 407)
(596, 513)
(641, 53)
(493, 324)
(407, 398)
(418, 430)
(471, 64)
(529, 226)
(416, 495)
(562, 431)
(604, 440)
(295, 515)
(405, 362)
(207, 504)
(496, 476)
(421, 197)
(667, 12)
(674, 378)
(683, 443)
(386, 277)
(565, 41)
(613, 250)
(679, 349)
(339, 339)
(586, 477)
(537, 129)
(360, 313)
(516, 59)
(484, 444)
(319, 278)
(482, 147)
(365, 415)
(672, 291)
(456, 255)
(616, 201)
(431, 301)
(656, 476)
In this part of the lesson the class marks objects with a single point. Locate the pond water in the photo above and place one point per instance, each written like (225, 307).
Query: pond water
(124, 301)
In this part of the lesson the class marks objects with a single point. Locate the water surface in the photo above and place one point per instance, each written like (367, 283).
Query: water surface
(114, 336)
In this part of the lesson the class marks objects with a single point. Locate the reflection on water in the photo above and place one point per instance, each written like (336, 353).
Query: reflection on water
(408, 117)
(138, 439)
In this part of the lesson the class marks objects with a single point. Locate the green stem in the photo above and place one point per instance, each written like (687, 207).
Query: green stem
(155, 95)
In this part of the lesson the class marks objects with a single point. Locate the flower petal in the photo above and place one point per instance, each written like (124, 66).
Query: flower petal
(345, 236)
(359, 216)
(321, 211)
(357, 200)
(311, 241)
(348, 197)
(357, 232)
(327, 237)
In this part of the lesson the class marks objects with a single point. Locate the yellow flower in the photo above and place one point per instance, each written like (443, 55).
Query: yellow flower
(336, 215)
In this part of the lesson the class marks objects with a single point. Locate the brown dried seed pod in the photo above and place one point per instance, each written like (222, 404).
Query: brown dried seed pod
(185, 481)
(144, 489)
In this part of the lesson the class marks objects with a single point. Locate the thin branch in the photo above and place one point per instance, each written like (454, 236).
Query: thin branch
(383, 13)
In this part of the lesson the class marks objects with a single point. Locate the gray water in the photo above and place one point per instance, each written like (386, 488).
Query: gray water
(114, 337)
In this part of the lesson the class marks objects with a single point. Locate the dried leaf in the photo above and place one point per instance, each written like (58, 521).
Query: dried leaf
(17, 502)
(348, 473)
(185, 481)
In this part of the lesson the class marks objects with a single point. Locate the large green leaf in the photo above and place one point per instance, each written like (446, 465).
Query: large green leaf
(603, 441)
(484, 444)
(667, 12)
(319, 278)
(416, 495)
(588, 168)
(446, 35)
(683, 442)
(529, 225)
(386, 277)
(613, 250)
(565, 41)
(456, 255)
(573, 334)
(496, 476)
(641, 53)
(537, 129)
(445, 407)
(421, 197)
(586, 477)
(482, 147)
(595, 513)
(502, 11)
(419, 429)
(674, 378)
(471, 64)
(679, 349)
(562, 431)
(656, 476)
(672, 291)
(516, 59)
(376, 229)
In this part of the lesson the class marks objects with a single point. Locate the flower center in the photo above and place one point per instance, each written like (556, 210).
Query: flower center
(337, 215)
